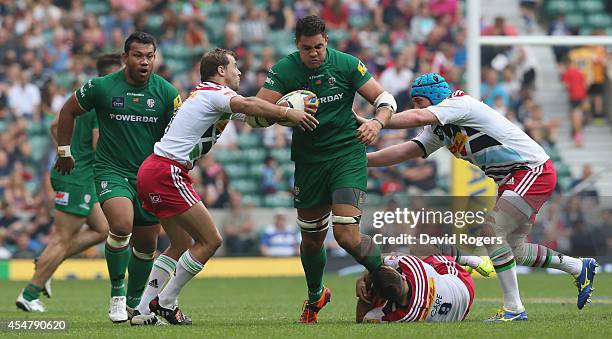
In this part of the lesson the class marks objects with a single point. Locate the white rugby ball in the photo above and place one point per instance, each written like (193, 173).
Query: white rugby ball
(295, 100)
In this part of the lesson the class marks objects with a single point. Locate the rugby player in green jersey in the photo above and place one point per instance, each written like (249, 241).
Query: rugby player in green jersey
(76, 202)
(133, 107)
(330, 161)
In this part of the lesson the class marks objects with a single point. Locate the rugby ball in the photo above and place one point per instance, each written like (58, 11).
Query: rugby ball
(295, 100)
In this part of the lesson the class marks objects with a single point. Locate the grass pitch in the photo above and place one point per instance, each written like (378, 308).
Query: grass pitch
(269, 308)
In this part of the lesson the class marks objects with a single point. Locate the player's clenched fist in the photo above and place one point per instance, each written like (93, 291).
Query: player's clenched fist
(64, 165)
(368, 131)
(303, 119)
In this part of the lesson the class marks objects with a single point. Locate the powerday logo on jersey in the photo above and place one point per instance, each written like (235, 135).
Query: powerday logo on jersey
(331, 98)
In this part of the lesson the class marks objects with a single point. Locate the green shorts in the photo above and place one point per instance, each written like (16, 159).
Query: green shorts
(315, 182)
(74, 198)
(112, 184)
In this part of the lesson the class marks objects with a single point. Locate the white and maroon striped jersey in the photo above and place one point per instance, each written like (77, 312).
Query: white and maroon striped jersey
(475, 132)
(440, 290)
(197, 125)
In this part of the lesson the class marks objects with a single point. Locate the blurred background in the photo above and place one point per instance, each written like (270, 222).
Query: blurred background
(559, 95)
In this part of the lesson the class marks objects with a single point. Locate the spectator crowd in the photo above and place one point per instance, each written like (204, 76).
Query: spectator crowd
(48, 49)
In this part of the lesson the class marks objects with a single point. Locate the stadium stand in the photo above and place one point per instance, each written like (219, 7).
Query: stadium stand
(47, 48)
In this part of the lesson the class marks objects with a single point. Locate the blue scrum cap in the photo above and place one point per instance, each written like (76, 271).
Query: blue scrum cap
(431, 86)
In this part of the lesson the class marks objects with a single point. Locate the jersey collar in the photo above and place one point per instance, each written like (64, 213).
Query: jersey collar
(133, 85)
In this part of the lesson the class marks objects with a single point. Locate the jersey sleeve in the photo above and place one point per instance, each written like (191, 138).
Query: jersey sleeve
(392, 261)
(274, 80)
(220, 100)
(86, 94)
(358, 72)
(428, 141)
(175, 102)
(451, 110)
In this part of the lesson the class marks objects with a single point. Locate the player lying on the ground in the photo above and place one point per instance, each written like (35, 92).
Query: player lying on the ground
(474, 132)
(76, 202)
(165, 187)
(408, 288)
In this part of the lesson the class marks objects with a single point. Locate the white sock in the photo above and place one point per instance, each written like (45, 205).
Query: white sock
(162, 268)
(566, 264)
(509, 284)
(186, 269)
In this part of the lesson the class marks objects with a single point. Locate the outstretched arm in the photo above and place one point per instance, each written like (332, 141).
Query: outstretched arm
(260, 107)
(395, 154)
(412, 118)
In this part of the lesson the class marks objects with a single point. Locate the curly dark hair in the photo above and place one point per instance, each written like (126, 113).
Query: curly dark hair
(140, 37)
(310, 25)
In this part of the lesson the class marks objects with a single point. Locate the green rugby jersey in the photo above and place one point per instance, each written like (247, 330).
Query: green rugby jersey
(335, 83)
(131, 118)
(81, 147)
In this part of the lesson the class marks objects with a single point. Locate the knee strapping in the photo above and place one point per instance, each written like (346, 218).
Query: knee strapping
(316, 225)
(143, 256)
(124, 240)
(341, 220)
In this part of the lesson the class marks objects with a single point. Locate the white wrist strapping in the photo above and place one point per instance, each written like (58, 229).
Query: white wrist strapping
(63, 151)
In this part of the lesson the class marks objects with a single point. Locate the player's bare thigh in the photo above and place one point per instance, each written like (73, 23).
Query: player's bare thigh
(314, 213)
(198, 223)
(67, 225)
(96, 219)
(120, 214)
